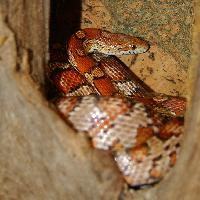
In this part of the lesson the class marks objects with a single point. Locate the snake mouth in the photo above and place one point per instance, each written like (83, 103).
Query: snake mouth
(143, 186)
(141, 49)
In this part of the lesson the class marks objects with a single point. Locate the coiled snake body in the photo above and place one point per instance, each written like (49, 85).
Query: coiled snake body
(102, 97)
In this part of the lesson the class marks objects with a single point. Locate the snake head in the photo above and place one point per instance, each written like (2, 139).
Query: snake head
(116, 44)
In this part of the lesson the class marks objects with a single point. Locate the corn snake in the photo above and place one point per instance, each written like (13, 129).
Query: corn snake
(120, 113)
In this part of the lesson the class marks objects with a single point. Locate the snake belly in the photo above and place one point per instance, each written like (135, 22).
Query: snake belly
(101, 96)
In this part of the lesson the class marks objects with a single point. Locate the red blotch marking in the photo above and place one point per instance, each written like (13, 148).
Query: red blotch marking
(104, 86)
(67, 80)
(173, 127)
(78, 58)
(139, 153)
(173, 158)
(143, 134)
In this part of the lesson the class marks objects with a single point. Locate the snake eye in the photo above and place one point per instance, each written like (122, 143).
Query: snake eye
(133, 47)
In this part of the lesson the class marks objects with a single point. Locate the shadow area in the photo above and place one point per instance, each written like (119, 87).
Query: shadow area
(65, 17)
(64, 20)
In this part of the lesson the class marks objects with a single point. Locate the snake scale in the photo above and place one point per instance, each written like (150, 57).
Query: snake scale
(101, 96)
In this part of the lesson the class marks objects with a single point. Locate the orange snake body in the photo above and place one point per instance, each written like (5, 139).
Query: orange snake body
(120, 113)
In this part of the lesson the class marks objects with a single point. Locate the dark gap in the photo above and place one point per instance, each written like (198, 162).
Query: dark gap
(65, 18)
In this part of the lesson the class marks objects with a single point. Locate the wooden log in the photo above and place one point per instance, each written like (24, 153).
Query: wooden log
(40, 157)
